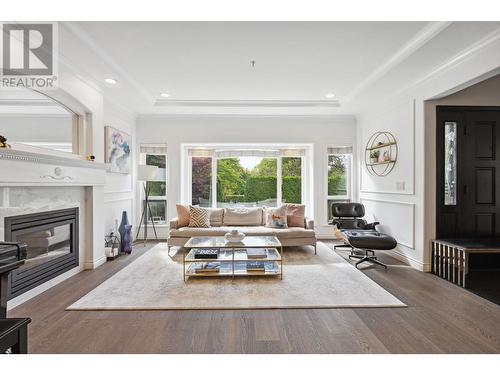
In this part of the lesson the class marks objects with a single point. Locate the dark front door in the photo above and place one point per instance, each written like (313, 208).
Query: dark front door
(468, 172)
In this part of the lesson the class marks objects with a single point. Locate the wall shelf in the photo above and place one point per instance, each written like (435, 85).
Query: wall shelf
(381, 163)
(385, 147)
(381, 146)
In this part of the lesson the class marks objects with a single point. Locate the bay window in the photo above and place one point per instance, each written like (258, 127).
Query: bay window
(229, 177)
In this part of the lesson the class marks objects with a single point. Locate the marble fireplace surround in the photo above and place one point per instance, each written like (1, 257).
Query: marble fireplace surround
(32, 182)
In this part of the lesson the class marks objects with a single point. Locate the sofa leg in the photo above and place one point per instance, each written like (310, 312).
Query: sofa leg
(315, 249)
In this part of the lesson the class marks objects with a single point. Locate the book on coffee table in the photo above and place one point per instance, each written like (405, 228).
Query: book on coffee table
(257, 253)
(206, 254)
(208, 268)
(256, 266)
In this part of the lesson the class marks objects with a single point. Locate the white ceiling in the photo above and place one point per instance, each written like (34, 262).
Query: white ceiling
(205, 66)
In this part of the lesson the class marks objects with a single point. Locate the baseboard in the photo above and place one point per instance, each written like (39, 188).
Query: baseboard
(42, 288)
(424, 267)
(92, 265)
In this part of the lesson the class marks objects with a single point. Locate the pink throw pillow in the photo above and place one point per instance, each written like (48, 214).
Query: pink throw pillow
(182, 215)
(295, 215)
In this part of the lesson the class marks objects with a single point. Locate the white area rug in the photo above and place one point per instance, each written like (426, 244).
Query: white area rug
(154, 282)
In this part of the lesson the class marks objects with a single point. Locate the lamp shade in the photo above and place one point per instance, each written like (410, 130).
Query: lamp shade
(148, 173)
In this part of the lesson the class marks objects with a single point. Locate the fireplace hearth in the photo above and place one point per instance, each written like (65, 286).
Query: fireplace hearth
(51, 240)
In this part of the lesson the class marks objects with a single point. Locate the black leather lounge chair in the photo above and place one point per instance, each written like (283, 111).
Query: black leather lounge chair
(349, 216)
(359, 234)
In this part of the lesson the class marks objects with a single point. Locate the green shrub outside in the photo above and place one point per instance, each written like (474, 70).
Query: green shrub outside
(337, 184)
(259, 188)
(292, 189)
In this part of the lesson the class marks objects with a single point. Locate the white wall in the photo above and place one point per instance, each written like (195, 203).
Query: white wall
(320, 131)
(406, 214)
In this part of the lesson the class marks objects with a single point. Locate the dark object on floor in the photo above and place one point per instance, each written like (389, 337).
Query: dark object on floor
(369, 242)
(12, 256)
(349, 216)
(127, 248)
(14, 335)
(121, 229)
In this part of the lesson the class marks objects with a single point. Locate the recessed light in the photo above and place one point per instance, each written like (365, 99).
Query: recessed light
(111, 81)
(164, 95)
(330, 95)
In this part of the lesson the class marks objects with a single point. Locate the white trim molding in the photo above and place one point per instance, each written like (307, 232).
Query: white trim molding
(411, 243)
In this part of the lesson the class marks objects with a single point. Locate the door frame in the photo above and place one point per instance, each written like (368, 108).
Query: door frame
(439, 161)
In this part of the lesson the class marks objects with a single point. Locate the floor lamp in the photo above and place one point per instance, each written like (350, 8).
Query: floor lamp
(147, 173)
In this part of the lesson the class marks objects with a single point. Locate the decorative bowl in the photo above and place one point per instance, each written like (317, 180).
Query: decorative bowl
(234, 236)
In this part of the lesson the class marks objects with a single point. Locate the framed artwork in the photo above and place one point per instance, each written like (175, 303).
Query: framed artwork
(118, 150)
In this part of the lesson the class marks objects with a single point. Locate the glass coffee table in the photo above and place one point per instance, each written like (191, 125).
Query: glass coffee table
(231, 259)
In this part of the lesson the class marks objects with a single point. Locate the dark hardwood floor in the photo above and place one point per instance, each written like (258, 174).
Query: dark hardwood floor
(440, 318)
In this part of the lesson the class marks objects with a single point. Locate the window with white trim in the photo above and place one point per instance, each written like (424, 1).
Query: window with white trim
(230, 177)
(339, 176)
(156, 154)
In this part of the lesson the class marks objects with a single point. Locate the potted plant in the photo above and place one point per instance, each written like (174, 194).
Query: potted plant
(374, 155)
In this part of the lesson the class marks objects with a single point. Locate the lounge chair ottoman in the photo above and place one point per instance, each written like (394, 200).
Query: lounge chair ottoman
(369, 242)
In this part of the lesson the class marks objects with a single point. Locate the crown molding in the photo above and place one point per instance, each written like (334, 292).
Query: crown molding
(439, 69)
(90, 80)
(418, 41)
(119, 110)
(247, 103)
(455, 60)
(120, 73)
(146, 116)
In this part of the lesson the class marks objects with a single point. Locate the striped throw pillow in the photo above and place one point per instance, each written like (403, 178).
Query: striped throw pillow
(199, 217)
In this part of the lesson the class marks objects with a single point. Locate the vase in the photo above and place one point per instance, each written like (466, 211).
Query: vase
(121, 229)
(127, 248)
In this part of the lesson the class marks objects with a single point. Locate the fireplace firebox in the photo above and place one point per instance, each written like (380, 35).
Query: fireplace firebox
(52, 246)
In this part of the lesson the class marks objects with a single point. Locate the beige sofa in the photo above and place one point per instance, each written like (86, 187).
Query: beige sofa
(249, 221)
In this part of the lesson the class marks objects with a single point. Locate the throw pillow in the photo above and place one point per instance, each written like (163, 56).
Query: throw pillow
(216, 216)
(296, 215)
(199, 217)
(243, 216)
(276, 217)
(182, 215)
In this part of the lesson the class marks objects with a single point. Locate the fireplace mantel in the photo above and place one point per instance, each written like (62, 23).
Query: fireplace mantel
(24, 168)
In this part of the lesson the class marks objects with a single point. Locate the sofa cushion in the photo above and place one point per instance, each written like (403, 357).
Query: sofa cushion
(199, 217)
(296, 215)
(276, 217)
(242, 216)
(288, 233)
(182, 215)
(187, 232)
(216, 216)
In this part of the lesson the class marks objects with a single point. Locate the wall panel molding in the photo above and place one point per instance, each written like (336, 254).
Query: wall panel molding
(394, 220)
(119, 199)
